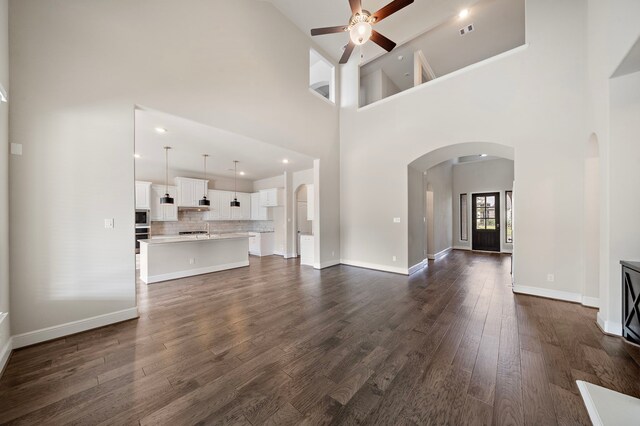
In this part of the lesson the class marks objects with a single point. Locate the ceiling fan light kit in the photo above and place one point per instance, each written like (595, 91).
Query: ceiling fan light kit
(361, 24)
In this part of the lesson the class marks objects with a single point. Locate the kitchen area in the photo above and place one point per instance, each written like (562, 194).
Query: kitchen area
(208, 200)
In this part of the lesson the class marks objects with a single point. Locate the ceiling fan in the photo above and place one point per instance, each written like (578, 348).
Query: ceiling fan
(360, 26)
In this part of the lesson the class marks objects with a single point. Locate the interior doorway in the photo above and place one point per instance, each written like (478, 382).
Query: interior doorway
(303, 226)
(486, 222)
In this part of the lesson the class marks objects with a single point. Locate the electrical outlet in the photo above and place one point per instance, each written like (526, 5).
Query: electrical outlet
(192, 261)
(109, 224)
(551, 278)
(394, 258)
(333, 253)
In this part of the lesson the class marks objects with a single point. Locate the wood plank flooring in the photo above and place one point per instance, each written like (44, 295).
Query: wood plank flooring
(277, 343)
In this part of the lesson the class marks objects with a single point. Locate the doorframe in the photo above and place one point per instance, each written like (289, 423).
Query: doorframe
(470, 218)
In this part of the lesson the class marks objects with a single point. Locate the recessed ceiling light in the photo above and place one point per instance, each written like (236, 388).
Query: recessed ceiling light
(161, 130)
(483, 155)
(285, 161)
(136, 155)
(463, 13)
(242, 173)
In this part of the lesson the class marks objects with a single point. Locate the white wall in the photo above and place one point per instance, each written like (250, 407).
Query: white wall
(531, 99)
(612, 31)
(375, 86)
(4, 186)
(75, 121)
(476, 177)
(416, 216)
(439, 180)
(624, 175)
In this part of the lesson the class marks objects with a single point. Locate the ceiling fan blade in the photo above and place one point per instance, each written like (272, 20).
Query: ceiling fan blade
(347, 52)
(328, 30)
(390, 9)
(382, 41)
(356, 6)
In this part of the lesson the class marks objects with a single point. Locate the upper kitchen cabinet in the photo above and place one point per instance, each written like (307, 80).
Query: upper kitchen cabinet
(190, 191)
(257, 211)
(160, 213)
(143, 195)
(271, 197)
(244, 211)
(310, 202)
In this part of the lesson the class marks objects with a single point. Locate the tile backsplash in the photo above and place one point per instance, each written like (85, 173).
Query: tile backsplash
(192, 220)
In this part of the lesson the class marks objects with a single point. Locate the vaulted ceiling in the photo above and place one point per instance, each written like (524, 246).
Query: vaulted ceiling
(401, 27)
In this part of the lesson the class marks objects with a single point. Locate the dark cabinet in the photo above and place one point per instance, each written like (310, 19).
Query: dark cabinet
(631, 301)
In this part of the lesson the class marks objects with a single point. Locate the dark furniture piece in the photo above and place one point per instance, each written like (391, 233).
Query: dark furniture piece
(631, 301)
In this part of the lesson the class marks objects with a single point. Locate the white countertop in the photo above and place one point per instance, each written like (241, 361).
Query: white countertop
(192, 238)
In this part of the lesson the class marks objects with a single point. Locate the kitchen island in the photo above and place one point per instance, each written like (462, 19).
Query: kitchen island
(165, 259)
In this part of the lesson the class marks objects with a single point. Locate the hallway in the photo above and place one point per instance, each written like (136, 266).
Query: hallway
(279, 344)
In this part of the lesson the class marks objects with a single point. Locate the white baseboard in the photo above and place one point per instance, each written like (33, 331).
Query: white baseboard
(327, 264)
(609, 327)
(548, 293)
(191, 272)
(592, 302)
(418, 267)
(462, 248)
(377, 267)
(439, 254)
(50, 333)
(5, 353)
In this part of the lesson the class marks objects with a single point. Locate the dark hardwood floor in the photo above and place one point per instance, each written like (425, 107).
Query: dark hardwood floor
(277, 343)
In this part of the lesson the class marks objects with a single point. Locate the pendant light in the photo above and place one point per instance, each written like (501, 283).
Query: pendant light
(166, 200)
(204, 201)
(235, 202)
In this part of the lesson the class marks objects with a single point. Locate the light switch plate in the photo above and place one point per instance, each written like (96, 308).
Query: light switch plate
(16, 149)
(109, 224)
(396, 220)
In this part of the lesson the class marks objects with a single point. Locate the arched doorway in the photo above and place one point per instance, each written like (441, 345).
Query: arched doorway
(460, 195)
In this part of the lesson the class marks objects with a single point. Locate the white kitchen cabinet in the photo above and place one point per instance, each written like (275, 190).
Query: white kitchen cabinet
(306, 250)
(261, 243)
(190, 191)
(310, 202)
(221, 209)
(257, 211)
(143, 195)
(244, 211)
(271, 197)
(160, 213)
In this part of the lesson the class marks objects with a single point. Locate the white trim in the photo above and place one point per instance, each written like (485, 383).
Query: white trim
(50, 333)
(5, 354)
(439, 254)
(375, 266)
(418, 266)
(327, 264)
(588, 402)
(548, 293)
(462, 248)
(592, 302)
(191, 272)
(609, 327)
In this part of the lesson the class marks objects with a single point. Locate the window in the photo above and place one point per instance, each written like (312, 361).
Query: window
(486, 212)
(509, 211)
(464, 220)
(321, 76)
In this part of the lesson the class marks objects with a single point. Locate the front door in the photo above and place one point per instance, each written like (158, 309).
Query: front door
(486, 221)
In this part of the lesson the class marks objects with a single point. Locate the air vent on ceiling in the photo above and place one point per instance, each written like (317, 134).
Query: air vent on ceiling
(467, 29)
